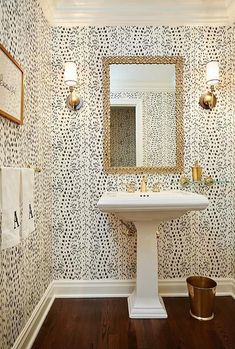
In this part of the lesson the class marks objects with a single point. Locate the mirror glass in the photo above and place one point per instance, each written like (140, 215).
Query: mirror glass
(143, 117)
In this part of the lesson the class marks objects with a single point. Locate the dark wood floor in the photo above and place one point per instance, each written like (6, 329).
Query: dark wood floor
(104, 324)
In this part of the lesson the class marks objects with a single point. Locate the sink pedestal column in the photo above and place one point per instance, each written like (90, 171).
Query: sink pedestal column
(144, 302)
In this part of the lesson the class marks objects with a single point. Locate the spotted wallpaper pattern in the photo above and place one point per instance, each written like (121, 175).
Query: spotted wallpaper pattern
(26, 270)
(159, 129)
(89, 244)
(233, 112)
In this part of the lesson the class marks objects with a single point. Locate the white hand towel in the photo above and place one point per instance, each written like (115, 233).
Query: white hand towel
(27, 197)
(10, 206)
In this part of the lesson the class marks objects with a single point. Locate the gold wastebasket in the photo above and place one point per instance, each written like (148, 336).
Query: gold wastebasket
(201, 296)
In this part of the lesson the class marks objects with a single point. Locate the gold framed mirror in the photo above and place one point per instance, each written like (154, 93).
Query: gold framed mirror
(143, 114)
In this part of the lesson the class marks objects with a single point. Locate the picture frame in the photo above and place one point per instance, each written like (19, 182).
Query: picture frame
(11, 87)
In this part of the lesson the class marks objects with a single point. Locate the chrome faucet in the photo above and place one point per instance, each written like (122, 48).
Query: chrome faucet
(143, 186)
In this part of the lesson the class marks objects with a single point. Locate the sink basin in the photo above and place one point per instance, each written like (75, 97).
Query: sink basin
(147, 211)
(161, 206)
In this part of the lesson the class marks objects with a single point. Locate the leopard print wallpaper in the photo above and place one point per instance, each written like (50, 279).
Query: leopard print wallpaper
(87, 244)
(26, 270)
(233, 137)
(91, 245)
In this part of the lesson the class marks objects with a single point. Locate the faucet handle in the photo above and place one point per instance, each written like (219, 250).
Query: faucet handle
(130, 187)
(184, 181)
(209, 181)
(156, 187)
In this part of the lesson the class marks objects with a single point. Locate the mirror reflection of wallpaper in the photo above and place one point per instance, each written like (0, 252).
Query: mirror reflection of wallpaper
(159, 125)
(159, 129)
(122, 136)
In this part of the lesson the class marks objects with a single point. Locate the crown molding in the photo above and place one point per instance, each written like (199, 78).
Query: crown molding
(230, 4)
(161, 12)
(49, 9)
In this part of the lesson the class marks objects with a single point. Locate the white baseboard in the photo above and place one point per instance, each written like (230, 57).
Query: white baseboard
(178, 287)
(29, 333)
(225, 287)
(123, 288)
(233, 288)
(92, 288)
(98, 289)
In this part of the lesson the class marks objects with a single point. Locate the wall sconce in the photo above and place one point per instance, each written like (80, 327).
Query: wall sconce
(208, 100)
(73, 101)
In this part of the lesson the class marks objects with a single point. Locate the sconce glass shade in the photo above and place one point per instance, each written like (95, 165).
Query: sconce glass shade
(70, 74)
(212, 73)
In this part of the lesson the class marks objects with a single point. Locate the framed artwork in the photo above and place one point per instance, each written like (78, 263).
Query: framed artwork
(11, 87)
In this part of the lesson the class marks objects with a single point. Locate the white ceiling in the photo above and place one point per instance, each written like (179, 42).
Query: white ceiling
(139, 12)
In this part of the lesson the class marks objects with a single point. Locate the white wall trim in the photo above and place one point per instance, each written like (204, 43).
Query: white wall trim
(29, 333)
(233, 288)
(231, 10)
(101, 289)
(92, 288)
(178, 287)
(174, 13)
(48, 8)
(123, 288)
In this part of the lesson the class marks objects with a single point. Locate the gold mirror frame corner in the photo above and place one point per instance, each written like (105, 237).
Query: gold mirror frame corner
(179, 66)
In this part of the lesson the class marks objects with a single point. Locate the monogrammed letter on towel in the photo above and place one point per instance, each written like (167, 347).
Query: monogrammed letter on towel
(10, 206)
(27, 190)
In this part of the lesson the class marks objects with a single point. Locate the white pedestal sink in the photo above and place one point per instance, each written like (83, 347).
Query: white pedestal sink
(147, 211)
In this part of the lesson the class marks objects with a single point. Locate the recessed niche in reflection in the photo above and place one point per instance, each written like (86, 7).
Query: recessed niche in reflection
(123, 136)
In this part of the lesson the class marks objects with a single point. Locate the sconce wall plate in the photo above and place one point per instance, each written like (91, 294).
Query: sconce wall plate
(73, 101)
(208, 100)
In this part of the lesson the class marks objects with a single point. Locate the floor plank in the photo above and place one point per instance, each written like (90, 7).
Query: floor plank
(103, 323)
